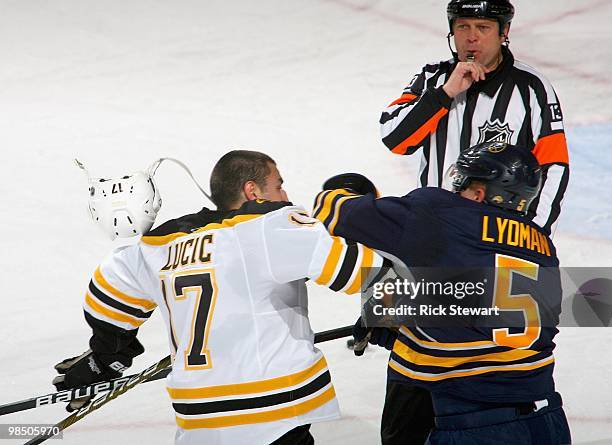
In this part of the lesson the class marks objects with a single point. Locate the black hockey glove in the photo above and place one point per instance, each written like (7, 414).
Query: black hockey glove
(89, 368)
(384, 337)
(351, 181)
(362, 335)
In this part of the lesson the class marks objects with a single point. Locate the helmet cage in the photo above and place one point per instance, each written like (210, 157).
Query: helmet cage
(126, 206)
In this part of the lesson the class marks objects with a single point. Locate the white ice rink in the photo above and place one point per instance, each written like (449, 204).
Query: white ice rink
(120, 83)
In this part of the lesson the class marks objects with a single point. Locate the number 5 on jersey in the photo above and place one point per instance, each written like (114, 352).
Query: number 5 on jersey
(198, 285)
(505, 267)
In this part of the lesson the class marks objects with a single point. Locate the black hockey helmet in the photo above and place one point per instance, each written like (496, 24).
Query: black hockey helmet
(512, 174)
(500, 10)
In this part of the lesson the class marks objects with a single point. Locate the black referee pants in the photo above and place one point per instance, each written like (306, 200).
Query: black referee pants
(408, 415)
(297, 436)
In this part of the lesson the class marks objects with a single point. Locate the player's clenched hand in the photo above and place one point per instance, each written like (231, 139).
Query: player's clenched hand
(80, 371)
(384, 337)
(463, 76)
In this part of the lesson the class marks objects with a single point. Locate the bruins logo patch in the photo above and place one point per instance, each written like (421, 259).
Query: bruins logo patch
(302, 219)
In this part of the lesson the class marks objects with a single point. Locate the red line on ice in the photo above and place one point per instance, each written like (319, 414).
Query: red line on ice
(404, 21)
(434, 31)
(577, 11)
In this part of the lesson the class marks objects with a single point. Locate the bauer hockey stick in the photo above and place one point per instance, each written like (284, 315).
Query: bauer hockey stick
(102, 400)
(150, 374)
(100, 387)
(74, 393)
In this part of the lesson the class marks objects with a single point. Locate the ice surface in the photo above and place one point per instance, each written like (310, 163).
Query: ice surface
(119, 84)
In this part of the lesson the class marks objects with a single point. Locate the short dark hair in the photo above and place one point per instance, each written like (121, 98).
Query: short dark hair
(233, 170)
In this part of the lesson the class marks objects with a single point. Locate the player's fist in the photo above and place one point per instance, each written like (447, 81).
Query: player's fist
(463, 76)
(384, 337)
(361, 334)
(91, 367)
(80, 371)
(351, 181)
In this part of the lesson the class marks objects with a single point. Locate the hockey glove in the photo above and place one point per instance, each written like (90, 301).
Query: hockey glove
(362, 335)
(384, 337)
(89, 368)
(351, 181)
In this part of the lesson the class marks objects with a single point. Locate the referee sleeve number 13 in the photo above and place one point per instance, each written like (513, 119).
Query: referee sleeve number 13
(200, 286)
(505, 268)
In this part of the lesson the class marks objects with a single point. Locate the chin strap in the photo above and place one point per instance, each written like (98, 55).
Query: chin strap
(151, 172)
(82, 167)
(155, 165)
(453, 52)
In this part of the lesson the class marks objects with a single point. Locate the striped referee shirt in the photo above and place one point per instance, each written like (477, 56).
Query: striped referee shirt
(514, 104)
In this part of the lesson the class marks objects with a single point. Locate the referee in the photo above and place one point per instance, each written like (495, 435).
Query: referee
(482, 94)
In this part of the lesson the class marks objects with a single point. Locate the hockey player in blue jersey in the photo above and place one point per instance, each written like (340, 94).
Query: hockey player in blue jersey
(489, 385)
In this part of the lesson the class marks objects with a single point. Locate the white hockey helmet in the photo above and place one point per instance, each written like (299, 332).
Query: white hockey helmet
(127, 206)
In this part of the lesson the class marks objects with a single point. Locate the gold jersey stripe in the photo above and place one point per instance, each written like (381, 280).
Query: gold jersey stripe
(265, 416)
(318, 201)
(110, 313)
(468, 372)
(278, 383)
(367, 260)
(418, 358)
(145, 304)
(447, 346)
(162, 240)
(336, 212)
(327, 203)
(331, 262)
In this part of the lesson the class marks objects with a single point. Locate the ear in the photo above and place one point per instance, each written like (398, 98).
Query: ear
(475, 192)
(251, 191)
(478, 192)
(505, 34)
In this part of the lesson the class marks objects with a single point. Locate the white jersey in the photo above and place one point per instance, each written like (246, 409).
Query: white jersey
(232, 293)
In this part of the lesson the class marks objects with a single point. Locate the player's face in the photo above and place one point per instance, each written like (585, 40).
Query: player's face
(273, 190)
(480, 38)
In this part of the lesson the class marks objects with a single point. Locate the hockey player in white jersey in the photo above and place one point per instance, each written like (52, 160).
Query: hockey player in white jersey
(230, 285)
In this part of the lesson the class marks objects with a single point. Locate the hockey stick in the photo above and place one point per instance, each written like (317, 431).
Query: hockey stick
(150, 374)
(102, 400)
(97, 388)
(74, 393)
(333, 334)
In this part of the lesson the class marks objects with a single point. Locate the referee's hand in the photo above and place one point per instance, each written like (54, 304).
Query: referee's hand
(463, 76)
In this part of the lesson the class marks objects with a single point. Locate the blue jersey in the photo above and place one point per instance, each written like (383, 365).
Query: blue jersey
(434, 228)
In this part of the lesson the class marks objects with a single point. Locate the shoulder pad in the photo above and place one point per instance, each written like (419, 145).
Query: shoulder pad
(191, 222)
(259, 207)
(188, 223)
